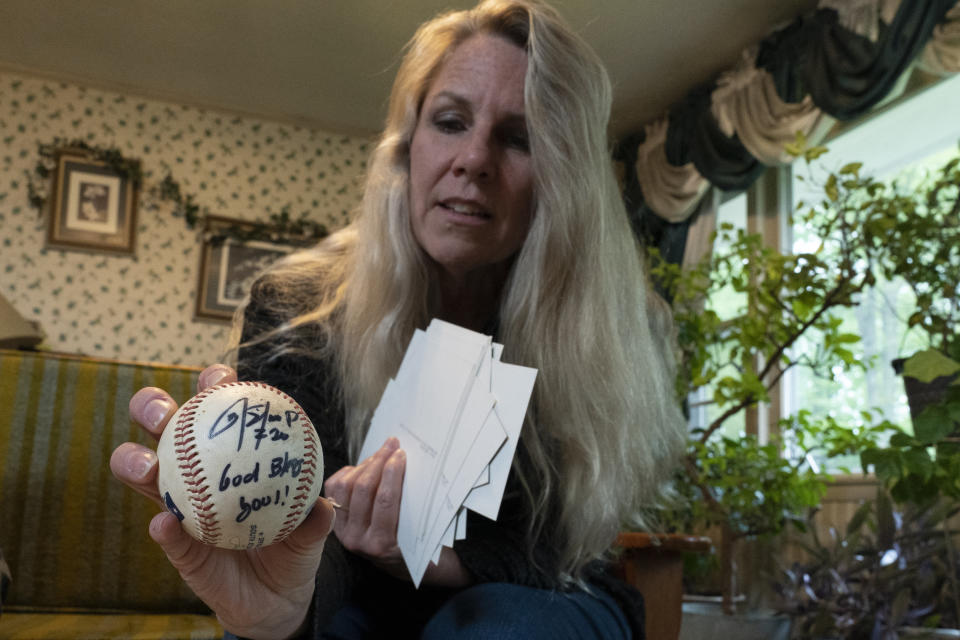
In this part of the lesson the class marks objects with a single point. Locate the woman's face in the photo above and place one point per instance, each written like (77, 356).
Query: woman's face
(471, 180)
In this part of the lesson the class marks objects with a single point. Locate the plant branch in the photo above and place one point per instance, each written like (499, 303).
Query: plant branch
(711, 500)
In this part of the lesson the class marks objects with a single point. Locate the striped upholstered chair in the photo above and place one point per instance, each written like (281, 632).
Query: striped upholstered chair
(75, 539)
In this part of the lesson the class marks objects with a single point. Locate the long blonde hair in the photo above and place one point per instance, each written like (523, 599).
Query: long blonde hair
(604, 429)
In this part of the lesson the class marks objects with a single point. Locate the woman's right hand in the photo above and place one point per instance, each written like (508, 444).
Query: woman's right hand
(258, 593)
(369, 495)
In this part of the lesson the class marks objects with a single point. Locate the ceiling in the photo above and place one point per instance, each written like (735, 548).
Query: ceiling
(329, 63)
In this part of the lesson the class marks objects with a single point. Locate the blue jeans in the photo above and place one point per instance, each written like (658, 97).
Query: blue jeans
(492, 611)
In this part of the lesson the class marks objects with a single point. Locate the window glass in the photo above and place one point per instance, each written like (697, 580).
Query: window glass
(726, 303)
(902, 141)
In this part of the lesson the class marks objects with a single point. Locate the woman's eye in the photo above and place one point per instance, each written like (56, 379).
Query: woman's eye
(518, 141)
(449, 125)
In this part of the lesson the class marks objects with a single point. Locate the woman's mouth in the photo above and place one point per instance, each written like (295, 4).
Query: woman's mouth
(466, 209)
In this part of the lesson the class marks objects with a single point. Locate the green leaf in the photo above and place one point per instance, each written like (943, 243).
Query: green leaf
(814, 152)
(901, 440)
(953, 408)
(845, 355)
(859, 517)
(852, 168)
(830, 188)
(928, 365)
(933, 424)
(885, 463)
(918, 462)
(799, 144)
(800, 308)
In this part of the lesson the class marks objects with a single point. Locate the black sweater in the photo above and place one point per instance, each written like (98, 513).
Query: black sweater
(493, 551)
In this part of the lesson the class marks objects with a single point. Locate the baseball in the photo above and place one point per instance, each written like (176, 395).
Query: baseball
(240, 465)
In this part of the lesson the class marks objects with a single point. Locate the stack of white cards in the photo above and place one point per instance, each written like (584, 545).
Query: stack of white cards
(457, 411)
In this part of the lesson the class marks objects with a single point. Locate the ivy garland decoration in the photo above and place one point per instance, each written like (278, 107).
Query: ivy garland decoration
(279, 228)
(46, 165)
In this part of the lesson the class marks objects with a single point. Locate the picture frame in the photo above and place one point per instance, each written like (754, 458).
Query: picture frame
(93, 206)
(229, 266)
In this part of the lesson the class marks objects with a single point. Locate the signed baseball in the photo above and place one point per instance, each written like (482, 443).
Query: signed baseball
(240, 465)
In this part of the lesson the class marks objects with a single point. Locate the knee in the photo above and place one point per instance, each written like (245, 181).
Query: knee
(490, 610)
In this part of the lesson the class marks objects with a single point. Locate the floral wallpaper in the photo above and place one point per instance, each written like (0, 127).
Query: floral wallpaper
(141, 307)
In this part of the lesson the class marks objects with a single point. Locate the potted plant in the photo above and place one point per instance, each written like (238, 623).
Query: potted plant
(892, 573)
(738, 487)
(914, 221)
(911, 227)
(895, 571)
(918, 222)
(745, 490)
(897, 563)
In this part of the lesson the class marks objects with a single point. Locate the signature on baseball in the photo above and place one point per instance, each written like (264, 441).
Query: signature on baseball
(265, 424)
(244, 415)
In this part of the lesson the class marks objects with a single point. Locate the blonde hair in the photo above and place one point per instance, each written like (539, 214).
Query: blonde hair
(604, 429)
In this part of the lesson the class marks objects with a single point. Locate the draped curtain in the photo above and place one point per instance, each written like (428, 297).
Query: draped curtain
(837, 63)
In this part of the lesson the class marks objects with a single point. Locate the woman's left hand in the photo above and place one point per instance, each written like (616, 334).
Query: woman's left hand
(369, 495)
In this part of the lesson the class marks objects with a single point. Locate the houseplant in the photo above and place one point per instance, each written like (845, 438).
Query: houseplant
(918, 222)
(867, 229)
(888, 570)
(911, 225)
(897, 563)
(739, 487)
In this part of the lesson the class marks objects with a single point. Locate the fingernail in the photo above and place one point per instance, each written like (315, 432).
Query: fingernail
(139, 464)
(393, 442)
(155, 411)
(214, 375)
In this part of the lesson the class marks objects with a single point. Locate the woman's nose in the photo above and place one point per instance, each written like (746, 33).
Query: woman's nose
(476, 157)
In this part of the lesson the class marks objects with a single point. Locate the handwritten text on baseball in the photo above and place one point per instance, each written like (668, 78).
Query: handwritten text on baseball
(244, 415)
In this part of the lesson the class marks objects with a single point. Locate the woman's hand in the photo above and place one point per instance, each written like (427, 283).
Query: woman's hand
(259, 593)
(369, 495)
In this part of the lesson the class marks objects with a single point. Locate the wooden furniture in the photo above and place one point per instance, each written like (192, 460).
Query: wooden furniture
(653, 564)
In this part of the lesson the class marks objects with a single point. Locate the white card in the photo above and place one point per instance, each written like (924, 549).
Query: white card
(457, 412)
(513, 385)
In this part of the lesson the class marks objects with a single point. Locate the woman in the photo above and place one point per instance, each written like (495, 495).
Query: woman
(490, 203)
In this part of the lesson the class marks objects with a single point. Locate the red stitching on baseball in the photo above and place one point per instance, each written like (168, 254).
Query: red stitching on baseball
(188, 459)
(189, 462)
(308, 473)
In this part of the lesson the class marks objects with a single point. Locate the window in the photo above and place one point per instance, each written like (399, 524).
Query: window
(919, 133)
(703, 410)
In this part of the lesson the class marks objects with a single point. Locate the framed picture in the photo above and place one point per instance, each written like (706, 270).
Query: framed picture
(93, 207)
(228, 268)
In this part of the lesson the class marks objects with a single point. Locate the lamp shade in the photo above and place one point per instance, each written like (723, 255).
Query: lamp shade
(15, 332)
